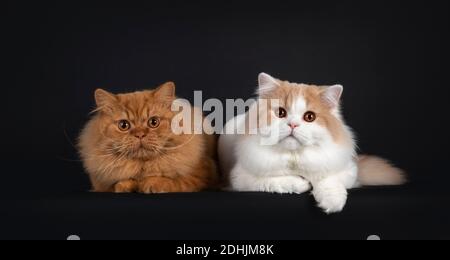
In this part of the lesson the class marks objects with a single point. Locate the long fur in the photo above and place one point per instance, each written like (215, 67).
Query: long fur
(376, 171)
(118, 161)
(318, 155)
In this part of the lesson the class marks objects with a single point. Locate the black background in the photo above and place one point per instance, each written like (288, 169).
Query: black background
(391, 58)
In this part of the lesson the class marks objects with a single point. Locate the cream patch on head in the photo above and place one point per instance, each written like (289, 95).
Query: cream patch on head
(298, 99)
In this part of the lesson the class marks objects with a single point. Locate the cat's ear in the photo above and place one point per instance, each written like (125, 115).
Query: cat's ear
(105, 100)
(166, 91)
(332, 96)
(266, 83)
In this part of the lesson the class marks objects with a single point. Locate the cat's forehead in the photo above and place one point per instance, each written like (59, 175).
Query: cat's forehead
(135, 99)
(140, 104)
(297, 96)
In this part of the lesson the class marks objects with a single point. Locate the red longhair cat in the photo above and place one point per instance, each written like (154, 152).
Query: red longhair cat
(129, 146)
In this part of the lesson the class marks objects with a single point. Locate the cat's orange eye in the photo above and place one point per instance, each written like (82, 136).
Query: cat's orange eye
(282, 113)
(154, 122)
(310, 117)
(124, 125)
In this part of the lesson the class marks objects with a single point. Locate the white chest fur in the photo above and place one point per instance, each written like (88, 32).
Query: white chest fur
(311, 163)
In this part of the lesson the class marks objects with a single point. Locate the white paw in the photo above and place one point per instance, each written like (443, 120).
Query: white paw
(333, 204)
(331, 197)
(287, 185)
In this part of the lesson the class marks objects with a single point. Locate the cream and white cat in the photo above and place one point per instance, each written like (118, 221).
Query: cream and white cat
(313, 148)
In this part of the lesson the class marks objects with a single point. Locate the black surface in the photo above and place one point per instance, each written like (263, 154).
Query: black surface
(391, 213)
(391, 56)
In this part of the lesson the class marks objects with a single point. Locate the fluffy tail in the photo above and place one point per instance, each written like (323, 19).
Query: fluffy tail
(375, 171)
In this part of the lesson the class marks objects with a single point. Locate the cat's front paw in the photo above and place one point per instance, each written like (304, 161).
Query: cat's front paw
(127, 186)
(332, 204)
(287, 185)
(331, 200)
(157, 185)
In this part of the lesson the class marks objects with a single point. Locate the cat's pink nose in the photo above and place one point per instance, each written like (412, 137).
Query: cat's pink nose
(140, 135)
(293, 125)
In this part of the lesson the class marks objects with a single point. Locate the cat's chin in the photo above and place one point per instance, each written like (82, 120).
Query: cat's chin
(290, 143)
(142, 153)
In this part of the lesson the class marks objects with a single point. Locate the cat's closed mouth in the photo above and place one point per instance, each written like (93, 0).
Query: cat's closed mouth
(291, 137)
